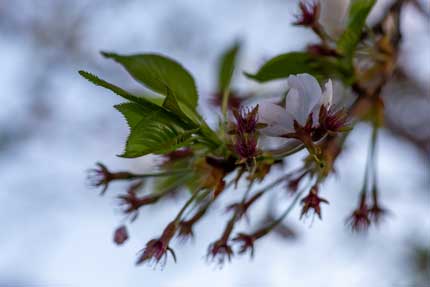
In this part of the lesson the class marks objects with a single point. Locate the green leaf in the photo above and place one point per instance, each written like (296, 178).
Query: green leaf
(300, 62)
(153, 130)
(282, 66)
(160, 74)
(358, 12)
(226, 67)
(117, 90)
(154, 98)
(155, 103)
(167, 77)
(183, 111)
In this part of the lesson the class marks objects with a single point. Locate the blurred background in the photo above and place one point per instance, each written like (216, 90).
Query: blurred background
(54, 126)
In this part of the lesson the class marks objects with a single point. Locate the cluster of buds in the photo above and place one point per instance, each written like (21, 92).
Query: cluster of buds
(222, 249)
(201, 160)
(308, 117)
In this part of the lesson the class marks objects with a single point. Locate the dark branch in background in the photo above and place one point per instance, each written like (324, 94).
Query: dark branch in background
(403, 93)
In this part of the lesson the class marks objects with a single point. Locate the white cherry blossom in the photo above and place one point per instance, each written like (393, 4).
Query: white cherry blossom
(304, 97)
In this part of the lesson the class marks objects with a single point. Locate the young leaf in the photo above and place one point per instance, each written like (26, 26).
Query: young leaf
(181, 110)
(226, 67)
(358, 12)
(284, 65)
(154, 98)
(299, 62)
(154, 104)
(153, 130)
(117, 90)
(160, 74)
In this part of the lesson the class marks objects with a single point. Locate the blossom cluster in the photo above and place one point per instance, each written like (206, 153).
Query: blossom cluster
(255, 136)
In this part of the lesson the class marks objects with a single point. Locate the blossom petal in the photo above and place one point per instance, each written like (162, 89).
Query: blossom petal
(327, 96)
(304, 95)
(278, 121)
(326, 100)
(293, 104)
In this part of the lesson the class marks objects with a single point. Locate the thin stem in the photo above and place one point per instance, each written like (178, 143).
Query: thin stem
(199, 214)
(369, 175)
(205, 207)
(229, 184)
(248, 190)
(276, 182)
(159, 174)
(185, 206)
(265, 230)
(224, 104)
(264, 190)
(374, 140)
(286, 151)
(285, 213)
(288, 210)
(224, 107)
(322, 34)
(230, 224)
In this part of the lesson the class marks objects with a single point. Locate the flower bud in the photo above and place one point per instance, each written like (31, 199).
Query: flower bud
(120, 235)
(312, 201)
(101, 176)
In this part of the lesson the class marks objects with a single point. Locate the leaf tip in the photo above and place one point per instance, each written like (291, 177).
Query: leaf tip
(128, 154)
(108, 55)
(83, 73)
(88, 76)
(250, 76)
